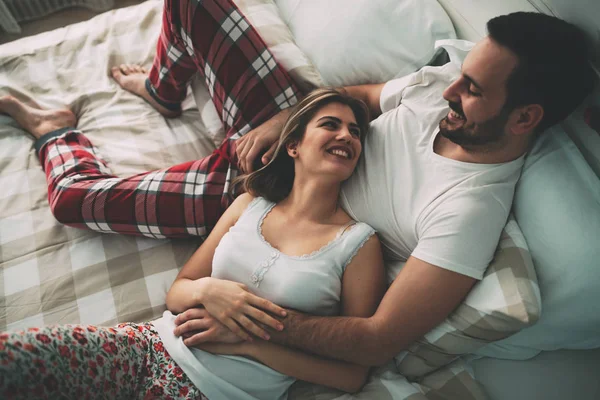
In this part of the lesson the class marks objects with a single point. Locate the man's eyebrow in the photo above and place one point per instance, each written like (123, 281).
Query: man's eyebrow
(470, 79)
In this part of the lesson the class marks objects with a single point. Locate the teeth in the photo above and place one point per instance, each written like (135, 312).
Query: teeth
(341, 153)
(456, 115)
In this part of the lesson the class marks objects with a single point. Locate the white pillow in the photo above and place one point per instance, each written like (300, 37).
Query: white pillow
(557, 205)
(366, 41)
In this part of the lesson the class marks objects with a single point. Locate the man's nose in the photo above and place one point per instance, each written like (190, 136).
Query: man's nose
(452, 92)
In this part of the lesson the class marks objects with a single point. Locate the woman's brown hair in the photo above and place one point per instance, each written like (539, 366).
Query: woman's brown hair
(274, 181)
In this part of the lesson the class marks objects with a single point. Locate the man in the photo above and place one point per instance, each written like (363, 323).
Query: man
(436, 183)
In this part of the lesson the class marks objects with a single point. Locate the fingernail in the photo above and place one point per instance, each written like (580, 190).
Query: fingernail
(266, 337)
(280, 327)
(283, 313)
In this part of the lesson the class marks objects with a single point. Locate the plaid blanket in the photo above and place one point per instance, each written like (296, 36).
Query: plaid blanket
(50, 273)
(55, 274)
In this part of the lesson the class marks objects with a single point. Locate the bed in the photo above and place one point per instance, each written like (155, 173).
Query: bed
(54, 274)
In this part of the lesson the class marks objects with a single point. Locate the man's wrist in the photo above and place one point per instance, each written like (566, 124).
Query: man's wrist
(290, 325)
(251, 349)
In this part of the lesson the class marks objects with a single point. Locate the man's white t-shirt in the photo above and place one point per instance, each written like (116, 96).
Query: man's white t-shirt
(442, 211)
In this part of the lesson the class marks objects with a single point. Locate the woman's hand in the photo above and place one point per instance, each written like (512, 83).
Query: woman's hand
(264, 137)
(197, 326)
(235, 307)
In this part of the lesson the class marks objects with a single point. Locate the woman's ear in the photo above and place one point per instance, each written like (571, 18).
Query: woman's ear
(526, 119)
(292, 149)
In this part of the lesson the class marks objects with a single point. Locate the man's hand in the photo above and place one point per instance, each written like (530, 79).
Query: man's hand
(265, 137)
(197, 326)
(291, 321)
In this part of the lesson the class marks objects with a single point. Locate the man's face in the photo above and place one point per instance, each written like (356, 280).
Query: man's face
(478, 96)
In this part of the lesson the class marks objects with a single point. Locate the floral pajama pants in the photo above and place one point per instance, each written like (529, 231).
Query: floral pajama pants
(128, 361)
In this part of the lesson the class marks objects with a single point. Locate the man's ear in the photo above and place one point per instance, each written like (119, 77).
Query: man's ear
(525, 119)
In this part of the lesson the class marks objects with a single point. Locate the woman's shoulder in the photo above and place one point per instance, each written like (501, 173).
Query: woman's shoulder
(241, 203)
(246, 202)
(346, 222)
(361, 240)
(243, 200)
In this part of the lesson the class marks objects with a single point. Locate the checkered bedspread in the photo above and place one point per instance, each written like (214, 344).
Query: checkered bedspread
(50, 273)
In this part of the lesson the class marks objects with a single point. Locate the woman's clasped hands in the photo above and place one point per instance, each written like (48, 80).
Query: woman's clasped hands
(228, 313)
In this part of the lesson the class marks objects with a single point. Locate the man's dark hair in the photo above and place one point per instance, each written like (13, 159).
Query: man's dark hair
(553, 68)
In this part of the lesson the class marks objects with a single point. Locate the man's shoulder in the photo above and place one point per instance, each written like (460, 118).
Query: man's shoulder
(425, 93)
(444, 73)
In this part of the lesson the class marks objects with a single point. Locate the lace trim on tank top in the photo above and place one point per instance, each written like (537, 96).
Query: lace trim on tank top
(258, 275)
(360, 246)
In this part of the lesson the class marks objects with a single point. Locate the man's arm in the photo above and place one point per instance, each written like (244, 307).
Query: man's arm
(264, 138)
(370, 94)
(420, 298)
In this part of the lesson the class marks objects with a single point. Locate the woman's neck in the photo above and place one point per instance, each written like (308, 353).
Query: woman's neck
(315, 201)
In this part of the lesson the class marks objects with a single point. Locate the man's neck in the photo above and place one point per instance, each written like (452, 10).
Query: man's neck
(488, 154)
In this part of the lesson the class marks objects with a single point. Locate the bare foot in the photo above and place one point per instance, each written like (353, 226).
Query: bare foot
(35, 120)
(132, 78)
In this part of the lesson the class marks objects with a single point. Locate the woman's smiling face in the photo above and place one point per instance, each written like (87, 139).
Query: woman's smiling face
(331, 144)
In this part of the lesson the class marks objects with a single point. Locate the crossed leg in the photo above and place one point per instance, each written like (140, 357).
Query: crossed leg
(247, 86)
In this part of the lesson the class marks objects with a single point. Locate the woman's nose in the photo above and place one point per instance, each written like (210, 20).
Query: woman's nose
(345, 134)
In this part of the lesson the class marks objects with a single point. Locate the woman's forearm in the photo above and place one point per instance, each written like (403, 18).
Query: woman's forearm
(184, 294)
(307, 367)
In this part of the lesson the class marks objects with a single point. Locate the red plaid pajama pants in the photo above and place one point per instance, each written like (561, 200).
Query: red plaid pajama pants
(247, 85)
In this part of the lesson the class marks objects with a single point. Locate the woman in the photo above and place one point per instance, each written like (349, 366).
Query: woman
(286, 239)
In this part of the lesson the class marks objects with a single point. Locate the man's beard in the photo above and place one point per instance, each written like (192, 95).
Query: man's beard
(476, 135)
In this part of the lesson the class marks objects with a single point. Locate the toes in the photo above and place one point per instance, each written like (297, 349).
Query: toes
(116, 73)
(125, 69)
